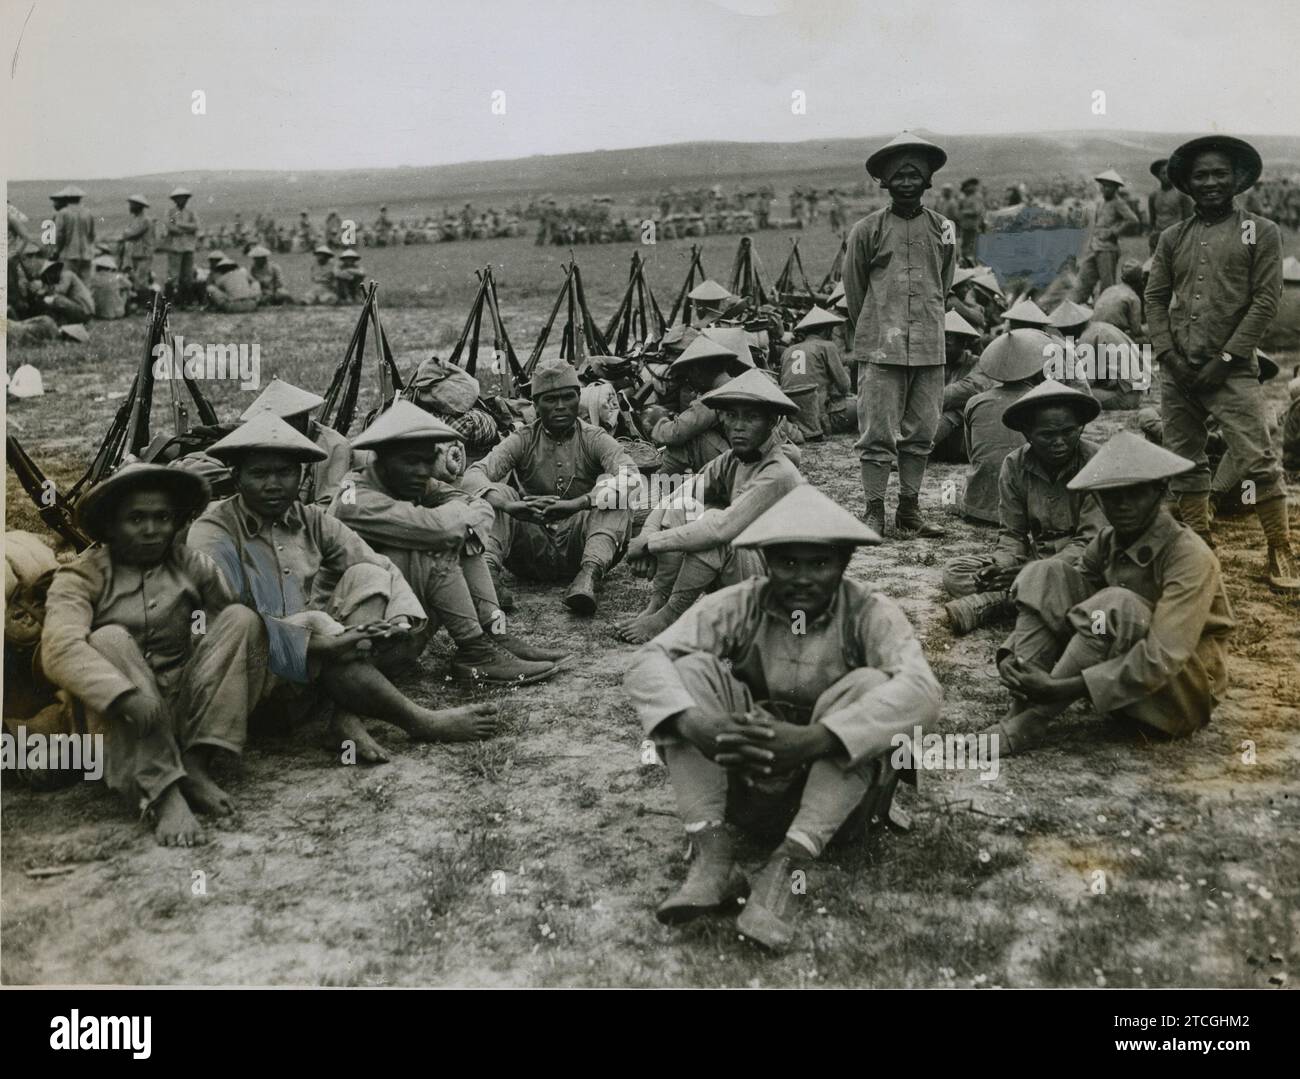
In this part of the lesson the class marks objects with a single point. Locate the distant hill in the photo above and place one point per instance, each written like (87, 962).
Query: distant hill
(997, 159)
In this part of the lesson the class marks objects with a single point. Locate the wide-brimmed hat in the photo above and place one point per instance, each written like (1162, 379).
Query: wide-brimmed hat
(323, 250)
(708, 292)
(216, 256)
(259, 252)
(1128, 459)
(1068, 313)
(104, 262)
(139, 200)
(751, 388)
(1158, 164)
(706, 348)
(188, 491)
(1017, 355)
(405, 422)
(1244, 156)
(1110, 176)
(906, 143)
(735, 338)
(282, 399)
(1027, 311)
(818, 319)
(1048, 394)
(266, 432)
(805, 515)
(180, 193)
(953, 323)
(350, 253)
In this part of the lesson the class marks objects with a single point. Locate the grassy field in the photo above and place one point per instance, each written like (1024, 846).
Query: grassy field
(537, 858)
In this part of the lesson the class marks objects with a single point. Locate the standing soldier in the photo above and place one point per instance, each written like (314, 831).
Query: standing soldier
(1166, 206)
(897, 270)
(333, 229)
(1109, 215)
(970, 217)
(137, 244)
(74, 233)
(182, 241)
(1222, 268)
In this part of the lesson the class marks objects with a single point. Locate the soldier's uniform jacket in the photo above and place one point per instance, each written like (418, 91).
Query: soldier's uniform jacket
(182, 230)
(137, 238)
(154, 604)
(1172, 569)
(1106, 218)
(269, 278)
(543, 465)
(323, 275)
(988, 441)
(1209, 291)
(691, 422)
(821, 367)
(861, 628)
(282, 568)
(235, 284)
(441, 521)
(733, 494)
(1120, 306)
(74, 234)
(962, 381)
(321, 479)
(897, 272)
(71, 287)
(1041, 517)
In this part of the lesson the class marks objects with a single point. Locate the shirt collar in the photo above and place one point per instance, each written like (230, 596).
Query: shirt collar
(1144, 550)
(254, 524)
(893, 209)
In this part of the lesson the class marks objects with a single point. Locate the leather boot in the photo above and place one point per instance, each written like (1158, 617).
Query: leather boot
(1194, 512)
(1282, 573)
(482, 660)
(581, 596)
(874, 518)
(969, 613)
(767, 917)
(713, 880)
(909, 522)
(524, 650)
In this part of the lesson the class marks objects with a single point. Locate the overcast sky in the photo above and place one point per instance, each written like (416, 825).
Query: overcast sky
(104, 88)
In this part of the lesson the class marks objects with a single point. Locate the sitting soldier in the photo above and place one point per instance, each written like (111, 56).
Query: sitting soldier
(323, 291)
(321, 480)
(1138, 627)
(962, 380)
(231, 290)
(1040, 517)
(408, 505)
(1105, 358)
(1014, 363)
(685, 547)
(693, 438)
(110, 290)
(569, 514)
(64, 296)
(120, 641)
(327, 600)
(269, 278)
(350, 276)
(784, 732)
(814, 361)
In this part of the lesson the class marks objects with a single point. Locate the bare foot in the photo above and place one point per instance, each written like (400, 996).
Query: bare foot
(642, 629)
(347, 726)
(467, 724)
(201, 790)
(176, 826)
(653, 607)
